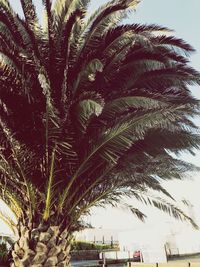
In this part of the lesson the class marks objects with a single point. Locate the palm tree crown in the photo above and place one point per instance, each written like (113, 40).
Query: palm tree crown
(90, 109)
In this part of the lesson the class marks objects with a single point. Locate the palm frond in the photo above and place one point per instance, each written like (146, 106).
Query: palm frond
(118, 140)
(29, 12)
(165, 206)
(9, 222)
(49, 188)
(125, 206)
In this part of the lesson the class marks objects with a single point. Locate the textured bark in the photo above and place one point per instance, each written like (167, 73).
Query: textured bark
(42, 247)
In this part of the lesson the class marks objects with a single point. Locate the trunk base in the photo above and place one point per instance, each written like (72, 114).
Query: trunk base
(42, 248)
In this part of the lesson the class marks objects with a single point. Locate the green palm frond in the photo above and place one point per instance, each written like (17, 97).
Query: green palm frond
(8, 65)
(13, 202)
(62, 10)
(117, 140)
(6, 3)
(49, 194)
(124, 104)
(105, 18)
(9, 222)
(84, 111)
(8, 37)
(89, 73)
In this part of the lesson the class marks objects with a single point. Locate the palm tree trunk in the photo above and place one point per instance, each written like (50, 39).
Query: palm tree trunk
(42, 247)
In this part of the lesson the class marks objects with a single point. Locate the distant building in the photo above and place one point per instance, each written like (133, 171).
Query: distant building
(98, 236)
(149, 242)
(155, 241)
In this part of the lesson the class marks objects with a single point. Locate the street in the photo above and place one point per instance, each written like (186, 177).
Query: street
(93, 263)
(83, 263)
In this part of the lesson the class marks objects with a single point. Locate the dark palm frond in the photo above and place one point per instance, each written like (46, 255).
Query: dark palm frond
(175, 43)
(7, 17)
(107, 16)
(163, 205)
(29, 12)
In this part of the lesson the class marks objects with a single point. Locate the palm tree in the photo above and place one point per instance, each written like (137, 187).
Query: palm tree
(90, 111)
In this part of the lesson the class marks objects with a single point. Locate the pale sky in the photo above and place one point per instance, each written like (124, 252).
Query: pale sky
(183, 17)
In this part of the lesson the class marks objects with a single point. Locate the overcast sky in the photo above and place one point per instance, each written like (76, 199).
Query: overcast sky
(183, 17)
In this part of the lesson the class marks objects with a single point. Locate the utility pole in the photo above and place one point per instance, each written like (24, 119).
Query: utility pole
(104, 259)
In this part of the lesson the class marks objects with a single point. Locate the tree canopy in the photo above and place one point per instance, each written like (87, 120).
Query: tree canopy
(90, 110)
